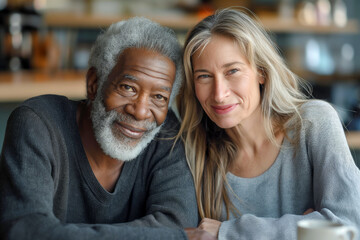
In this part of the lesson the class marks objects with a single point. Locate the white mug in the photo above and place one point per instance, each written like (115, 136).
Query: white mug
(312, 229)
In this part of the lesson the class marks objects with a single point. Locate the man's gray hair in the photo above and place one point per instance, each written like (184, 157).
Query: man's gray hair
(137, 32)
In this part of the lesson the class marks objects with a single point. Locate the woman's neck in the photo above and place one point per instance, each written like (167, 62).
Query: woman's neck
(250, 133)
(256, 152)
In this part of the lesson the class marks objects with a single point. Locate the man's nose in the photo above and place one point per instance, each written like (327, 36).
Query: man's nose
(139, 108)
(220, 89)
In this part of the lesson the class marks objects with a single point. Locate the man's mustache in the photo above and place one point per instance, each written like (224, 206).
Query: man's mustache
(130, 120)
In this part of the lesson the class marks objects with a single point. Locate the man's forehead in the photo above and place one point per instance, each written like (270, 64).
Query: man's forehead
(147, 62)
(138, 51)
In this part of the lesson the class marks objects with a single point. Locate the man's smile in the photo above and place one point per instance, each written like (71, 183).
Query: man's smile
(130, 131)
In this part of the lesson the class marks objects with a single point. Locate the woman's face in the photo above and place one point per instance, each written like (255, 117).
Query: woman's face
(226, 86)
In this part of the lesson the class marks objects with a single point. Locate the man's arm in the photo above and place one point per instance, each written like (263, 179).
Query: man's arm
(27, 190)
(171, 199)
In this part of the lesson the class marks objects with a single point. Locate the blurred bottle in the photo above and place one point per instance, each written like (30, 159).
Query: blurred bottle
(307, 13)
(323, 8)
(19, 20)
(3, 4)
(340, 17)
(318, 57)
(286, 9)
(346, 59)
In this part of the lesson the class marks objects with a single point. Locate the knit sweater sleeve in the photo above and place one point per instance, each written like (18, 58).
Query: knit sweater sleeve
(335, 179)
(27, 172)
(171, 198)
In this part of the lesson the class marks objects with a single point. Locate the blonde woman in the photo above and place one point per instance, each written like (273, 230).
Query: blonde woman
(263, 156)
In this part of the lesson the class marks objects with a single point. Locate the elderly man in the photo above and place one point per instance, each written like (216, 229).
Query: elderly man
(104, 168)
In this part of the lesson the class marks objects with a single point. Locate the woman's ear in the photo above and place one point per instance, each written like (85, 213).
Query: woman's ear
(261, 79)
(261, 76)
(91, 83)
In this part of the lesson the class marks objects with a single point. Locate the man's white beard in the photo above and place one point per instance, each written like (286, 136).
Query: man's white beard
(119, 146)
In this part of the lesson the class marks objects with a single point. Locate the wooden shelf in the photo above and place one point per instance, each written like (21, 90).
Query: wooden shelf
(353, 139)
(276, 24)
(186, 21)
(72, 20)
(326, 79)
(16, 87)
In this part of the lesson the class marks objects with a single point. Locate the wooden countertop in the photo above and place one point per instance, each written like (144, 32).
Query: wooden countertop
(19, 86)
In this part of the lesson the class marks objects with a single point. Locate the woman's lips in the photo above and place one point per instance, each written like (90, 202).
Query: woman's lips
(130, 131)
(223, 109)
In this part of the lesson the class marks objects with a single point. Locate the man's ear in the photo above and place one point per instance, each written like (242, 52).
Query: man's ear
(91, 83)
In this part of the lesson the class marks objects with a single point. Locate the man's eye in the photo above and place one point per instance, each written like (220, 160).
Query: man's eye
(160, 97)
(127, 88)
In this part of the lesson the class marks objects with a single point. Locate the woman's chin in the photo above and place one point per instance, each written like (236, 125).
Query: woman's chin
(226, 124)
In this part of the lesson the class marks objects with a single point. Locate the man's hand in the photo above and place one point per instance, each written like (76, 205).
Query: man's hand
(198, 234)
(210, 225)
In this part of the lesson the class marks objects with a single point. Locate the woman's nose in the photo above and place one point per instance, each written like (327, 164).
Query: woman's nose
(221, 90)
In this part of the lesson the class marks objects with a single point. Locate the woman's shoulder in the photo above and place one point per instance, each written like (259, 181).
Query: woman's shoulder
(317, 109)
(318, 115)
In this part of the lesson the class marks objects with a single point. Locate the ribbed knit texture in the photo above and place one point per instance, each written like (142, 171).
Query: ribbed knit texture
(319, 174)
(48, 190)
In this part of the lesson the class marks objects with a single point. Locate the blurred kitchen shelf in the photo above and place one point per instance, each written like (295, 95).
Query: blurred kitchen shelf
(327, 79)
(79, 20)
(22, 85)
(186, 21)
(17, 87)
(353, 139)
(292, 25)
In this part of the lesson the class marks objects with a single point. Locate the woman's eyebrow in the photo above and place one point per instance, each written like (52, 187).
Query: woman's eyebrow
(200, 70)
(232, 63)
(223, 66)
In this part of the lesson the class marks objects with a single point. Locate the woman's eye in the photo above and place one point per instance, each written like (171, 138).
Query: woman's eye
(203, 76)
(232, 71)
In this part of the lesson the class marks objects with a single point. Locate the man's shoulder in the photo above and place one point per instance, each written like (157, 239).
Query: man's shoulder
(172, 119)
(45, 100)
(51, 109)
(164, 141)
(171, 125)
(49, 105)
(164, 149)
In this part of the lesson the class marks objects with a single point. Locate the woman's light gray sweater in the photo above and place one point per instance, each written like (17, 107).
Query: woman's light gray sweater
(319, 174)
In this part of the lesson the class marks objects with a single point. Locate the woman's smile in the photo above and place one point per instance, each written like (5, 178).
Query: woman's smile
(223, 109)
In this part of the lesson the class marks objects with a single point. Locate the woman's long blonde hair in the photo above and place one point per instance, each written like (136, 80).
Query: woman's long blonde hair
(209, 150)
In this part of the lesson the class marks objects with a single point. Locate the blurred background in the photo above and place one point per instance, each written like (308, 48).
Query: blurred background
(45, 44)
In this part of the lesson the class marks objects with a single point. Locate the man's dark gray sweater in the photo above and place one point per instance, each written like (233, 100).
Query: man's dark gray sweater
(48, 190)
